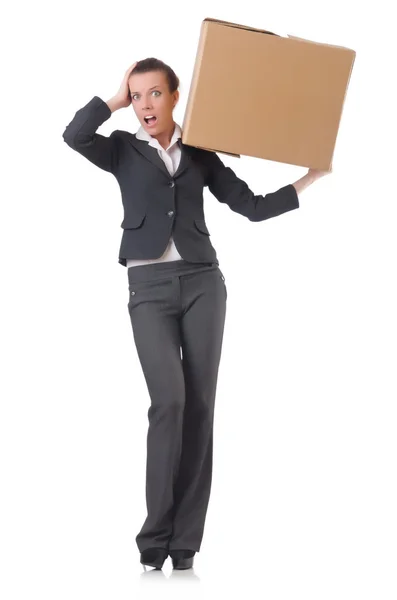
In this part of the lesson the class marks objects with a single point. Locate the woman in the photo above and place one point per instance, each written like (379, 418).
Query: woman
(177, 302)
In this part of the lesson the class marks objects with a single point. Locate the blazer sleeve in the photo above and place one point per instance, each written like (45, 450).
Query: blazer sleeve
(80, 135)
(224, 184)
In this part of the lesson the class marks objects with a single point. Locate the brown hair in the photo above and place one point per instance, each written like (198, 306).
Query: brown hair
(154, 64)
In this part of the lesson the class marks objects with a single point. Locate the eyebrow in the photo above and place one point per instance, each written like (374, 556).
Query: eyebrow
(152, 88)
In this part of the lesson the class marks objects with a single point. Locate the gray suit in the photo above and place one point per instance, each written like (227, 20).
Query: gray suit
(177, 309)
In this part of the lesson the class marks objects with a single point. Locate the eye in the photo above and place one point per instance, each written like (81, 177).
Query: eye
(134, 96)
(157, 92)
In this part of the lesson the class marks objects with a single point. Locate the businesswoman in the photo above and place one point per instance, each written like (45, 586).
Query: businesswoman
(177, 292)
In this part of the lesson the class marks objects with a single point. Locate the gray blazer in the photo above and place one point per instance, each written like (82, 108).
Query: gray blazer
(157, 205)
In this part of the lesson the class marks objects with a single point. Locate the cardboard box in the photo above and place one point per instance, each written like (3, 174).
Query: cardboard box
(260, 94)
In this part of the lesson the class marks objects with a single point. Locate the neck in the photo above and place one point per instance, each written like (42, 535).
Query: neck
(164, 138)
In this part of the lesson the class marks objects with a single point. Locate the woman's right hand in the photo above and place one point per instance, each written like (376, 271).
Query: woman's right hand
(123, 96)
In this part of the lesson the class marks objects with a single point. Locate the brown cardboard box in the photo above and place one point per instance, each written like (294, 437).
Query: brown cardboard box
(260, 94)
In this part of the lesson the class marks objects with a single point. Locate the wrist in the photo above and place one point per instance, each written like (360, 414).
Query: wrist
(113, 104)
(310, 177)
(304, 182)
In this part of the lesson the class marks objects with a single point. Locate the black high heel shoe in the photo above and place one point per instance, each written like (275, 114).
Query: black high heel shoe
(182, 559)
(154, 557)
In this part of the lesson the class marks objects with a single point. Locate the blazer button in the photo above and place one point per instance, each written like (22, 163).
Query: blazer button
(171, 183)
(170, 213)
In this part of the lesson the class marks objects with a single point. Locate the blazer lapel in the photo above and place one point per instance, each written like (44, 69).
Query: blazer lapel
(185, 158)
(151, 154)
(148, 152)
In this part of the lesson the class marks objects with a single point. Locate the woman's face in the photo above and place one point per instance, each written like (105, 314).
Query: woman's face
(151, 97)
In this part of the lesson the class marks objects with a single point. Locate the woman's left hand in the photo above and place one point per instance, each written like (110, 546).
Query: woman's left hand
(317, 174)
(311, 176)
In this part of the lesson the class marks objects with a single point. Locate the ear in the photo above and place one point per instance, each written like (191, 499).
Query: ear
(176, 97)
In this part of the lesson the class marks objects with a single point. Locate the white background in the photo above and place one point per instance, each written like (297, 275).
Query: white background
(304, 495)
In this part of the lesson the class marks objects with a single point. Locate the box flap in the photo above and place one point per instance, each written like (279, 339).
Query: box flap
(299, 39)
(227, 23)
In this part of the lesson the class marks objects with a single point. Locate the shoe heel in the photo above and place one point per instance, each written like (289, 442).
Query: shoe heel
(182, 559)
(154, 558)
(182, 563)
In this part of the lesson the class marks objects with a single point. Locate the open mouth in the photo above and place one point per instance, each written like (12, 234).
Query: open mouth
(150, 120)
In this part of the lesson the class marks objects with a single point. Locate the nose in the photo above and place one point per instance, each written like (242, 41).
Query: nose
(147, 104)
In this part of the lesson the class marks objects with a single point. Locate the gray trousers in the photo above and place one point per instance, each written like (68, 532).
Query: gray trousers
(177, 311)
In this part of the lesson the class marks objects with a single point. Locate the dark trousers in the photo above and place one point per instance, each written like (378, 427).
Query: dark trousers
(177, 311)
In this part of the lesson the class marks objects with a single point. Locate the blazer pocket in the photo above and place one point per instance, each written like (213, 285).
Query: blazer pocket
(201, 226)
(133, 221)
